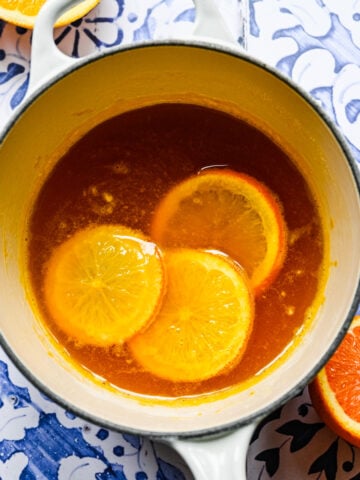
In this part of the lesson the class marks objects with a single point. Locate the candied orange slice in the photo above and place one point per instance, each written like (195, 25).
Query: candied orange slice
(104, 284)
(24, 12)
(205, 320)
(335, 390)
(228, 211)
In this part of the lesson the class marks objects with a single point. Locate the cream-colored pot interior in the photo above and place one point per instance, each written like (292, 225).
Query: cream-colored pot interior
(133, 77)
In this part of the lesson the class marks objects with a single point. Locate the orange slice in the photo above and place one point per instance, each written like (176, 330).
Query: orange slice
(204, 322)
(228, 211)
(24, 12)
(335, 392)
(104, 284)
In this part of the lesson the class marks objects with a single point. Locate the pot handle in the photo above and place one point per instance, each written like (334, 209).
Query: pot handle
(47, 60)
(209, 23)
(218, 457)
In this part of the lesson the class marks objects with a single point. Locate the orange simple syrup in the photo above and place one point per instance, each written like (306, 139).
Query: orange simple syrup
(119, 171)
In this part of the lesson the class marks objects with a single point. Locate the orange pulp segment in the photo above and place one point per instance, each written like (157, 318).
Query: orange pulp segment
(24, 12)
(205, 320)
(104, 284)
(228, 211)
(335, 392)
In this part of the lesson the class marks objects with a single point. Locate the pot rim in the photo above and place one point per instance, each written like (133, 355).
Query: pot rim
(301, 384)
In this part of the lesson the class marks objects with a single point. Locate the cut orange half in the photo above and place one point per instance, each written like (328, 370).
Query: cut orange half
(228, 211)
(205, 320)
(335, 392)
(104, 284)
(24, 12)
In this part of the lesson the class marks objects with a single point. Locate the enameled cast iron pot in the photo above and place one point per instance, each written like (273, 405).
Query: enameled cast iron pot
(66, 100)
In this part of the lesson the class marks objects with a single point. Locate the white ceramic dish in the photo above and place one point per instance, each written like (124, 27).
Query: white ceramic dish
(71, 98)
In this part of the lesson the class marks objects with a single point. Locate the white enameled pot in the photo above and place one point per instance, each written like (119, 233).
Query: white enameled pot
(68, 98)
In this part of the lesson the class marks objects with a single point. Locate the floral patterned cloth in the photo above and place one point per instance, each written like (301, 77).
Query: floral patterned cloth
(317, 44)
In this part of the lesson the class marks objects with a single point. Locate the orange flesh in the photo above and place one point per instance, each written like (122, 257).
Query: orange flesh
(24, 12)
(120, 171)
(196, 213)
(104, 284)
(342, 372)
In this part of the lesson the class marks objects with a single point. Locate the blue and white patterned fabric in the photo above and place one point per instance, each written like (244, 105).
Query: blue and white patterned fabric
(317, 44)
